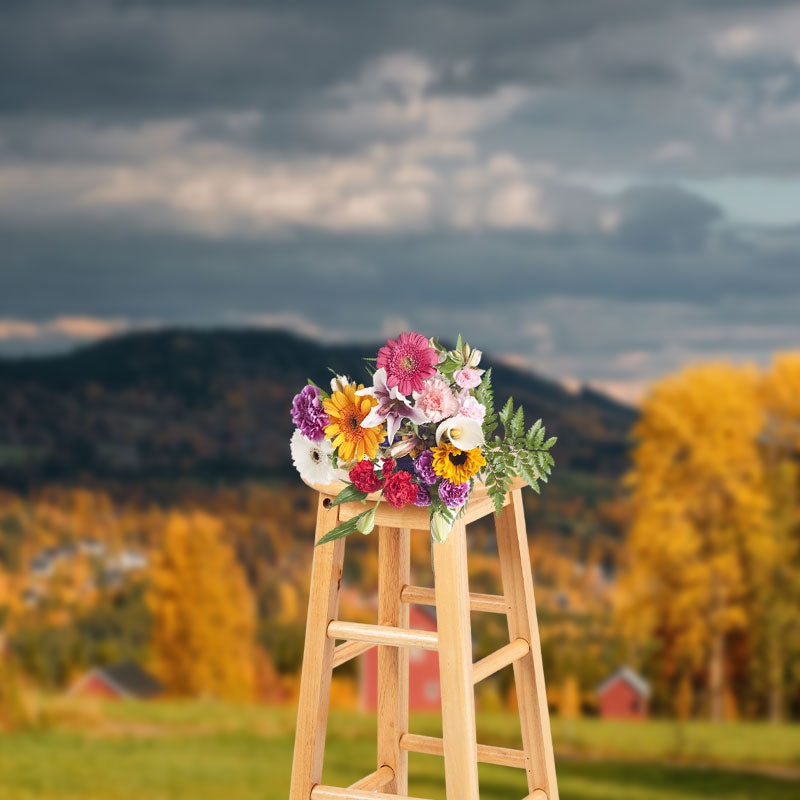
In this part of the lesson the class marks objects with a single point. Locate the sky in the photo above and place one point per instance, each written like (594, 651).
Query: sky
(599, 190)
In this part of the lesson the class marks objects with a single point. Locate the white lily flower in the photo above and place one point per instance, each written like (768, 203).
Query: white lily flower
(339, 382)
(392, 407)
(462, 432)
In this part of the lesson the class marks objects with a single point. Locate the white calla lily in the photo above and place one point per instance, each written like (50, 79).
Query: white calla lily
(462, 432)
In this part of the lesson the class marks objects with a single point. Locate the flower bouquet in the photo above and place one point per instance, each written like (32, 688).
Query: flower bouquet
(423, 433)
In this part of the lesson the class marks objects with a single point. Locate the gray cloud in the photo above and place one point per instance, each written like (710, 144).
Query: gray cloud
(351, 166)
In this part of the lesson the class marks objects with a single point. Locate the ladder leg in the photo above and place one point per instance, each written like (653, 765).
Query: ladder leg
(515, 567)
(455, 666)
(394, 552)
(315, 681)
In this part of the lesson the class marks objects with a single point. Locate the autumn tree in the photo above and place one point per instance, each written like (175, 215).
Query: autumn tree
(778, 596)
(699, 521)
(203, 615)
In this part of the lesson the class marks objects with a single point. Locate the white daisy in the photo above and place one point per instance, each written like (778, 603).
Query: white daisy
(312, 459)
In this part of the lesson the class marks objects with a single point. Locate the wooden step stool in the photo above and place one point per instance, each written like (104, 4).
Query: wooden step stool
(453, 640)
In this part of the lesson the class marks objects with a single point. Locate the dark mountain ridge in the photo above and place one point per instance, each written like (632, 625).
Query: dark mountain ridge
(215, 405)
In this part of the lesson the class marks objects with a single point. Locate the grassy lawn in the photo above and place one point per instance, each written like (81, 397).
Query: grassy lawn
(201, 751)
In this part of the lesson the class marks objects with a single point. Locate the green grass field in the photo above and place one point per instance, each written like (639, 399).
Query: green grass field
(203, 751)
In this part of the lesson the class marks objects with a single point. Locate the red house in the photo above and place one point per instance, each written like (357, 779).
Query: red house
(625, 695)
(118, 681)
(423, 668)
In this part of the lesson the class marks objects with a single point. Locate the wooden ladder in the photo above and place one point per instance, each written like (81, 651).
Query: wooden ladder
(452, 640)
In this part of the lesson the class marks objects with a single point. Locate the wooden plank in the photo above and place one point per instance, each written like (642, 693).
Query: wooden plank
(412, 517)
(349, 650)
(332, 489)
(315, 680)
(455, 665)
(480, 507)
(320, 792)
(515, 569)
(506, 655)
(383, 634)
(487, 754)
(421, 595)
(394, 565)
(375, 781)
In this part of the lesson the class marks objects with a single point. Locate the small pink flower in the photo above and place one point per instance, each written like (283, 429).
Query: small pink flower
(469, 407)
(468, 377)
(437, 400)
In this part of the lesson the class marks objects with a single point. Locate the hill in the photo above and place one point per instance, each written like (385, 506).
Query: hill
(214, 405)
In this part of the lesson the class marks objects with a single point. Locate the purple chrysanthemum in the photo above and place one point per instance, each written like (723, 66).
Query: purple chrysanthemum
(453, 495)
(423, 466)
(308, 413)
(423, 496)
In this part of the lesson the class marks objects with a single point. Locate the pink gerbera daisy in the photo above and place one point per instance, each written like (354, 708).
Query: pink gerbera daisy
(408, 360)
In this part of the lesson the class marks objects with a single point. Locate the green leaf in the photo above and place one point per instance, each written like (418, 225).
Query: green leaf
(507, 411)
(517, 423)
(485, 395)
(550, 442)
(348, 495)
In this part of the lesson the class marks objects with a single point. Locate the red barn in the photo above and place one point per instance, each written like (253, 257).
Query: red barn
(423, 668)
(625, 695)
(117, 681)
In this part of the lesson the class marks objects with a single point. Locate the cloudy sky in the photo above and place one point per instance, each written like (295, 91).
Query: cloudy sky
(602, 190)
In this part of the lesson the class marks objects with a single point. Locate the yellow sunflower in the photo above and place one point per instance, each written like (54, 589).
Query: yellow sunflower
(457, 466)
(346, 412)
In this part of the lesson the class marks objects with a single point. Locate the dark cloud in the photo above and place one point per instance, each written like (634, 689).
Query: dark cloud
(347, 166)
(666, 220)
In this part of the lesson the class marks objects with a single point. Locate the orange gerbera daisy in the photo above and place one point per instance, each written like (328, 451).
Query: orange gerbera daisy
(346, 412)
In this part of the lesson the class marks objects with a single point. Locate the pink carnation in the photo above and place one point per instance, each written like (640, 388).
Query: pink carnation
(437, 400)
(467, 378)
(468, 406)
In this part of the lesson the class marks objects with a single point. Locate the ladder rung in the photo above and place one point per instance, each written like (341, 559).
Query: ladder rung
(488, 754)
(344, 652)
(423, 596)
(508, 654)
(320, 792)
(375, 780)
(383, 634)
(536, 794)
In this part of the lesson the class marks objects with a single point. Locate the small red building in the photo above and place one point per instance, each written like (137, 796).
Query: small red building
(624, 695)
(423, 669)
(117, 681)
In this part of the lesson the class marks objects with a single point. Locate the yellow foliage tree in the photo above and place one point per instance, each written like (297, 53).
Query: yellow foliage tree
(203, 612)
(699, 518)
(570, 705)
(778, 598)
